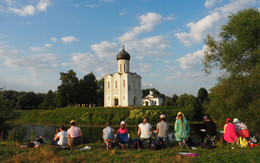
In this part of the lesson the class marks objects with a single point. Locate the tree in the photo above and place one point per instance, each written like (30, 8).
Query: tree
(237, 54)
(49, 101)
(100, 92)
(67, 92)
(88, 89)
(174, 99)
(202, 95)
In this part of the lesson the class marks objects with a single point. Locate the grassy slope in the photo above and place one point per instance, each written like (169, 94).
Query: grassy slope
(10, 152)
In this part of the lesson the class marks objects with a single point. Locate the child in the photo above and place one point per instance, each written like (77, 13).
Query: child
(108, 134)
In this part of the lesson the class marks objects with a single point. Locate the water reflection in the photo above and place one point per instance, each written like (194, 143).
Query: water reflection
(93, 134)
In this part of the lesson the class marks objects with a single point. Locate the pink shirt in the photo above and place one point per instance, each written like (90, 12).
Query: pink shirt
(74, 132)
(122, 131)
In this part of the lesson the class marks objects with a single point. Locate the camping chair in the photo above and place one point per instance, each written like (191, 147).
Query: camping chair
(234, 142)
(122, 139)
(183, 142)
(211, 139)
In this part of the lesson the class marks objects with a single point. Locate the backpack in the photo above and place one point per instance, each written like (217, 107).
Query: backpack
(155, 145)
(242, 142)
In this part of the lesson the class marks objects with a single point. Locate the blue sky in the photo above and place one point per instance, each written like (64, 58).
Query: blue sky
(41, 38)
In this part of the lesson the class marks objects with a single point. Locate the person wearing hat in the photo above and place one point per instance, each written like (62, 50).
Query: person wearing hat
(208, 128)
(241, 128)
(181, 127)
(229, 131)
(74, 135)
(145, 130)
(122, 134)
(162, 130)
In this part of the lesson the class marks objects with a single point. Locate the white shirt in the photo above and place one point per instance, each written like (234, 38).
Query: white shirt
(63, 138)
(145, 130)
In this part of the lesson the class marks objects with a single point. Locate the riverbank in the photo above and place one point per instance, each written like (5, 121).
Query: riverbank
(10, 152)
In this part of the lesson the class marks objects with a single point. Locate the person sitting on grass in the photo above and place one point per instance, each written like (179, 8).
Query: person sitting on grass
(229, 131)
(162, 130)
(122, 134)
(74, 135)
(108, 134)
(34, 144)
(62, 137)
(181, 128)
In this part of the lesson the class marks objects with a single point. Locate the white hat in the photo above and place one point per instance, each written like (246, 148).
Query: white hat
(236, 120)
(162, 116)
(122, 123)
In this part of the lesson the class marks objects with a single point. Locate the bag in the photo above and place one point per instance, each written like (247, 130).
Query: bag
(155, 145)
(242, 142)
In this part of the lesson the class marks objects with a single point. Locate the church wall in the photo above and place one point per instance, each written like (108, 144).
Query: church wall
(134, 81)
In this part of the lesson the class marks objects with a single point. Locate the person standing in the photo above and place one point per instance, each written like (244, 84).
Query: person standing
(74, 135)
(162, 129)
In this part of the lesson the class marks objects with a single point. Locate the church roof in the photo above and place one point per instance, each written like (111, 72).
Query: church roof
(123, 55)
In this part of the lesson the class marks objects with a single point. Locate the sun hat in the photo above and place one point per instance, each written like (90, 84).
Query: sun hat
(72, 121)
(236, 120)
(180, 113)
(122, 123)
(162, 116)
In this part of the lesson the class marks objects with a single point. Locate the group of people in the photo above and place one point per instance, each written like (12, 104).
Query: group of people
(73, 136)
(234, 130)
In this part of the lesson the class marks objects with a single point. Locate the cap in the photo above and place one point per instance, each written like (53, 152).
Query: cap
(229, 119)
(162, 116)
(122, 123)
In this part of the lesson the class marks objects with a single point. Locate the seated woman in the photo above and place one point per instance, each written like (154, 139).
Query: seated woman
(62, 137)
(241, 128)
(162, 129)
(74, 134)
(229, 131)
(108, 134)
(54, 142)
(122, 134)
(145, 130)
(181, 128)
(208, 129)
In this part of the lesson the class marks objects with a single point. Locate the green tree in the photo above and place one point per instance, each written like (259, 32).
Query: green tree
(202, 95)
(49, 101)
(67, 92)
(237, 54)
(88, 89)
(174, 99)
(100, 92)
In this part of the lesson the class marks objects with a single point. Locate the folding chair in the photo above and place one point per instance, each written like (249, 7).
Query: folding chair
(234, 142)
(211, 139)
(183, 142)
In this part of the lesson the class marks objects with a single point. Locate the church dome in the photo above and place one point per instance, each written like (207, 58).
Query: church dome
(123, 55)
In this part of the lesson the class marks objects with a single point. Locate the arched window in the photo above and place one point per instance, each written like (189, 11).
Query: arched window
(124, 66)
(108, 84)
(120, 67)
(124, 83)
(115, 84)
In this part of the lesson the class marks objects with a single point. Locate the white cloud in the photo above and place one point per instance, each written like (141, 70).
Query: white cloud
(91, 6)
(20, 59)
(147, 23)
(192, 61)
(124, 12)
(48, 45)
(210, 3)
(43, 4)
(69, 39)
(146, 68)
(104, 49)
(53, 39)
(201, 28)
(169, 18)
(38, 49)
(28, 10)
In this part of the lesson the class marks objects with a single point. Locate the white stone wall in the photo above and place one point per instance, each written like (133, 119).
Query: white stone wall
(123, 66)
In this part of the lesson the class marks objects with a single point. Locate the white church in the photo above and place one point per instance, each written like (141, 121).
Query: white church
(122, 88)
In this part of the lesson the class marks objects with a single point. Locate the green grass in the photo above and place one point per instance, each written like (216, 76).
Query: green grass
(10, 152)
